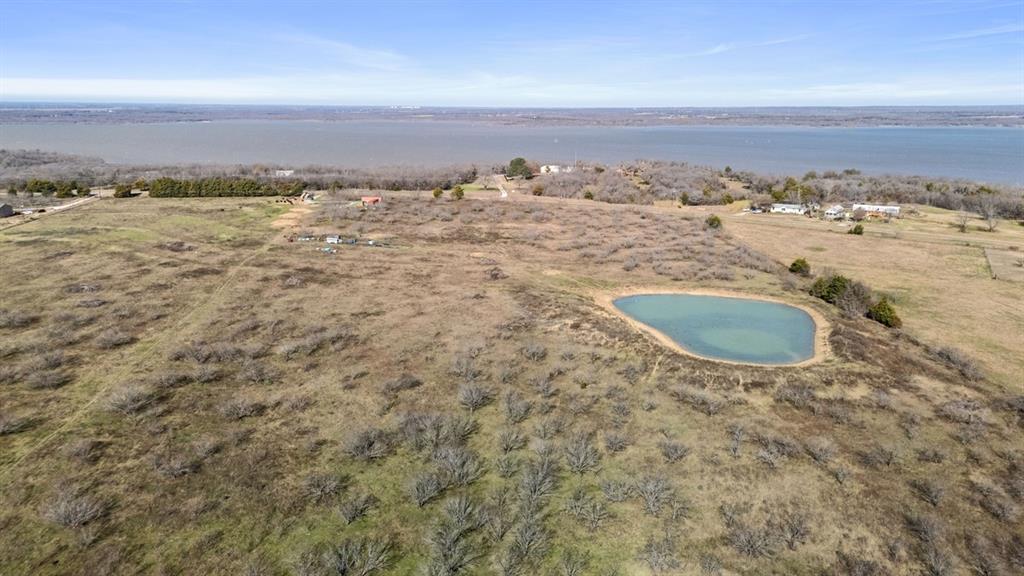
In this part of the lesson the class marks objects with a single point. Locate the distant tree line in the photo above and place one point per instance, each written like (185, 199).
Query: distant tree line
(18, 167)
(208, 187)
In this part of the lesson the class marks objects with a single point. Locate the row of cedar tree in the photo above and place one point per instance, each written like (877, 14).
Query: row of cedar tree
(206, 187)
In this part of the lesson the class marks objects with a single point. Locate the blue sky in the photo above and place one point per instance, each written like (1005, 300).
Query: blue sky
(515, 54)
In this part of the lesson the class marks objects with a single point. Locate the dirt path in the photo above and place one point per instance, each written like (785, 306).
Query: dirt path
(19, 220)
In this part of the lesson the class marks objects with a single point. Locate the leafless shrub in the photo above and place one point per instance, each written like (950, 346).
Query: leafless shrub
(84, 450)
(849, 565)
(323, 486)
(983, 560)
(701, 400)
(10, 319)
(580, 453)
(314, 340)
(654, 492)
(573, 562)
(474, 396)
(510, 440)
(113, 338)
(615, 441)
(927, 529)
(451, 551)
(240, 407)
(753, 541)
(47, 380)
(517, 408)
(799, 395)
(937, 560)
(615, 490)
(369, 444)
(359, 557)
(931, 455)
(736, 434)
(878, 456)
(792, 524)
(537, 481)
(928, 490)
(424, 488)
(543, 387)
(963, 411)
(12, 423)
(673, 451)
(660, 555)
(710, 565)
(73, 508)
(457, 465)
(257, 373)
(821, 450)
(548, 427)
(203, 353)
(994, 501)
(130, 398)
(535, 351)
(770, 457)
(464, 366)
(506, 465)
(171, 463)
(961, 362)
(402, 383)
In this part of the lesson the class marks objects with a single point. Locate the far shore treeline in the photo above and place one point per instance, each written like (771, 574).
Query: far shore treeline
(38, 173)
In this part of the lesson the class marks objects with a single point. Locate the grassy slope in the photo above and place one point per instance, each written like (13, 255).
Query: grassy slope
(414, 310)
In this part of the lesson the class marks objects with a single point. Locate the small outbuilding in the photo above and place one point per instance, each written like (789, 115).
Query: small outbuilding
(836, 212)
(6, 210)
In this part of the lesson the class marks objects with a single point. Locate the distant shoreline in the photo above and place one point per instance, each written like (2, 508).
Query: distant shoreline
(782, 116)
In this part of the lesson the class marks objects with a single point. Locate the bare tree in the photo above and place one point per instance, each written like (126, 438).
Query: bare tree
(988, 209)
(962, 217)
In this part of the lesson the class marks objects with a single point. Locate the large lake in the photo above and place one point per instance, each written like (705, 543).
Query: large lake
(985, 154)
(734, 329)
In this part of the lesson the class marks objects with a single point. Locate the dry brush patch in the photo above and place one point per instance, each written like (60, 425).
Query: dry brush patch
(394, 408)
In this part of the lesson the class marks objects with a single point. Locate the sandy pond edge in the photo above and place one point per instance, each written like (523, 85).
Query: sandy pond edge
(822, 327)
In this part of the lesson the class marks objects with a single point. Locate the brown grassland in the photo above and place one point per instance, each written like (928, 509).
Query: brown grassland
(185, 391)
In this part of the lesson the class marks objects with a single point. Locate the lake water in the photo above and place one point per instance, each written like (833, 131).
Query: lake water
(736, 329)
(984, 154)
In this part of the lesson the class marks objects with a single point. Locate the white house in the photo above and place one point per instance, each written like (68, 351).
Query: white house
(879, 209)
(554, 169)
(789, 209)
(283, 173)
(836, 212)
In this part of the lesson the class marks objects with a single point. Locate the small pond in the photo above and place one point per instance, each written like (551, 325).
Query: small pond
(721, 328)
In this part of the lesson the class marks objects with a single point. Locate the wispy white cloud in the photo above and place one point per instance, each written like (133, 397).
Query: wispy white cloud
(981, 32)
(370, 58)
(730, 46)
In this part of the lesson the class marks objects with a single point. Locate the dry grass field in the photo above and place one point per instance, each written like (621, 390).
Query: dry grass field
(183, 390)
(940, 278)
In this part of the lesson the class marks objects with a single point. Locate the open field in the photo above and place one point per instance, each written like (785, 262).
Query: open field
(939, 277)
(184, 390)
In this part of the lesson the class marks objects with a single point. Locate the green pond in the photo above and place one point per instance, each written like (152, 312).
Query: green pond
(735, 329)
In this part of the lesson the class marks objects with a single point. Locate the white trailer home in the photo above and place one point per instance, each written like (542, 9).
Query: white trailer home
(878, 209)
(789, 209)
